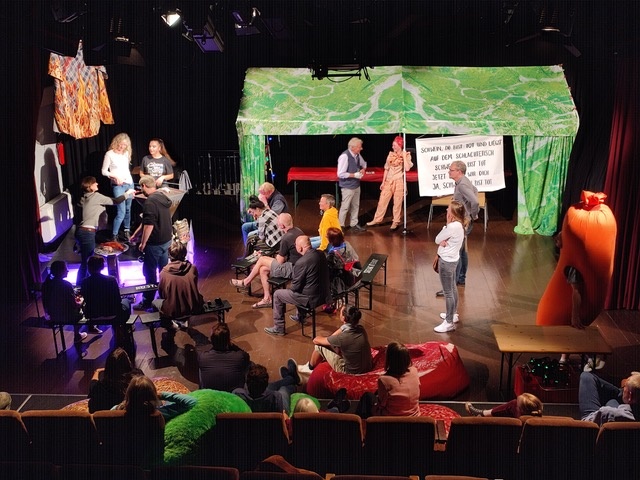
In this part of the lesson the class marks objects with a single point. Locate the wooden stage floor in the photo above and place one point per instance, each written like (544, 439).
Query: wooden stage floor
(507, 276)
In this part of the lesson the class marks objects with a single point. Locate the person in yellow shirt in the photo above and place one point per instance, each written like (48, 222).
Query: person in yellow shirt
(329, 211)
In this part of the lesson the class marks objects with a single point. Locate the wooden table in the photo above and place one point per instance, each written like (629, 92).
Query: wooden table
(512, 339)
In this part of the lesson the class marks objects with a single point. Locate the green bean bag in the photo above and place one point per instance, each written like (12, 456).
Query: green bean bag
(182, 434)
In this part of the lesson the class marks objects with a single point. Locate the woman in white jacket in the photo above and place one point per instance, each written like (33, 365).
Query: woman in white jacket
(449, 241)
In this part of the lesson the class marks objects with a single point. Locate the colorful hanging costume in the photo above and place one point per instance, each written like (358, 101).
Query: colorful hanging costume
(81, 100)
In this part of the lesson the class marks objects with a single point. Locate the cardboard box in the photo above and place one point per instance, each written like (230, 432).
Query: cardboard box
(526, 382)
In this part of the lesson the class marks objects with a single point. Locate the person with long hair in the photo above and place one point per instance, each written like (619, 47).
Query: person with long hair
(142, 399)
(158, 163)
(392, 186)
(115, 166)
(449, 241)
(109, 384)
(398, 388)
(93, 205)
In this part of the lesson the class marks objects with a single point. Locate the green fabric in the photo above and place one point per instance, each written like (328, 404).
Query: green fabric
(295, 397)
(252, 160)
(488, 101)
(517, 101)
(541, 163)
(181, 434)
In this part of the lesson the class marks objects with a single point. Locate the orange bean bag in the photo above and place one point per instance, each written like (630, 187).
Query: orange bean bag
(588, 244)
(442, 374)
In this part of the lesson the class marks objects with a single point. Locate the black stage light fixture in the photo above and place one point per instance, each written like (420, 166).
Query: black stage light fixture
(208, 39)
(244, 28)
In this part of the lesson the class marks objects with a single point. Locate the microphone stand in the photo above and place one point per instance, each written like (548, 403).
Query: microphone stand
(404, 196)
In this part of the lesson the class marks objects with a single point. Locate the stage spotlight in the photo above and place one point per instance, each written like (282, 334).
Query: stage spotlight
(171, 17)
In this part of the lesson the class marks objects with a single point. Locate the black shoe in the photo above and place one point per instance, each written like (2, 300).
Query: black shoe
(471, 410)
(296, 318)
(358, 228)
(340, 401)
(440, 293)
(291, 370)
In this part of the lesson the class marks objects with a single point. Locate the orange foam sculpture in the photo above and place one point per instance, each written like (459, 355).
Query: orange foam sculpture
(588, 244)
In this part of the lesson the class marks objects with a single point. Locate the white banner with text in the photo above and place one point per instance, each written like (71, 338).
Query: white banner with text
(482, 154)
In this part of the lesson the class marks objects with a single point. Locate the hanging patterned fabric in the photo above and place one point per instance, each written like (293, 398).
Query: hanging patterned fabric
(81, 100)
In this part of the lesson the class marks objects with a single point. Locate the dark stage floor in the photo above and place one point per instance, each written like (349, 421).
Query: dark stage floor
(507, 276)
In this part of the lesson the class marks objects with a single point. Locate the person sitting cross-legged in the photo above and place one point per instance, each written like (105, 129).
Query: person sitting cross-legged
(347, 350)
(280, 266)
(262, 396)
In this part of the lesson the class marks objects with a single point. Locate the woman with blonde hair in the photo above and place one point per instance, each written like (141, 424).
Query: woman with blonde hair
(449, 241)
(115, 166)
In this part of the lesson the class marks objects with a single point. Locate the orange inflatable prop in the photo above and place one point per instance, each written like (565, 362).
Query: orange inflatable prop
(588, 245)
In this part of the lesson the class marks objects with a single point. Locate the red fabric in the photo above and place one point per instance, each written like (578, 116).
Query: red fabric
(330, 174)
(439, 412)
(442, 374)
(588, 244)
(60, 148)
(621, 185)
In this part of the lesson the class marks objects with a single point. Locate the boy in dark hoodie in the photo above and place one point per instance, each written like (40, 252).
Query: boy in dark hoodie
(178, 288)
(155, 235)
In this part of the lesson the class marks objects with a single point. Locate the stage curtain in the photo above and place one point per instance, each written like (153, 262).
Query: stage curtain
(21, 83)
(621, 186)
(541, 163)
(252, 161)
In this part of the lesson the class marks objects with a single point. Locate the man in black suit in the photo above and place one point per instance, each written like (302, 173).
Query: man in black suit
(309, 285)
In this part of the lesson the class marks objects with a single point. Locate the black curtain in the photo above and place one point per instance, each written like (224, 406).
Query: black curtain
(20, 84)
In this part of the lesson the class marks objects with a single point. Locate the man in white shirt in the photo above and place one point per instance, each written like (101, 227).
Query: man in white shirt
(351, 168)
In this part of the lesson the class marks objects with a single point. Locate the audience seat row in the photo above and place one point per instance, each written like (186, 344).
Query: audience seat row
(66, 437)
(531, 448)
(547, 447)
(49, 471)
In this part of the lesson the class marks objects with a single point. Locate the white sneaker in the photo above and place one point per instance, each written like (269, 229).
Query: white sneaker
(589, 366)
(444, 327)
(456, 317)
(304, 368)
